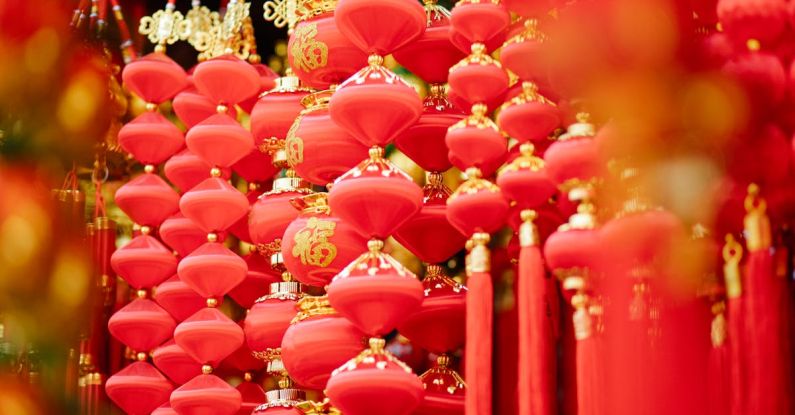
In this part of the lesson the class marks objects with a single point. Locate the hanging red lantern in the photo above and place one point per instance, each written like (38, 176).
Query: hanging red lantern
(154, 77)
(164, 409)
(574, 159)
(282, 401)
(317, 245)
(318, 53)
(270, 317)
(226, 79)
(316, 147)
(318, 341)
(479, 79)
(438, 325)
(375, 86)
(243, 361)
(525, 180)
(175, 363)
(138, 388)
(208, 336)
(424, 142)
(219, 139)
(267, 82)
(431, 55)
(185, 170)
(428, 234)
(375, 197)
(444, 390)
(212, 270)
(150, 138)
(178, 298)
(259, 277)
(256, 167)
(147, 199)
(529, 116)
(762, 76)
(375, 382)
(477, 206)
(523, 54)
(251, 396)
(206, 394)
(382, 29)
(476, 142)
(141, 325)
(763, 20)
(479, 22)
(192, 107)
(144, 262)
(272, 213)
(182, 235)
(214, 204)
(276, 110)
(375, 292)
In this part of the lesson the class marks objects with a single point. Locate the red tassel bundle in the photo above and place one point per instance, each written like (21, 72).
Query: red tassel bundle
(479, 327)
(732, 254)
(718, 374)
(589, 372)
(768, 371)
(536, 373)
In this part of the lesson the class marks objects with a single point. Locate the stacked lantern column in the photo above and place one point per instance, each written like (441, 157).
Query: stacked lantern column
(477, 207)
(212, 270)
(144, 262)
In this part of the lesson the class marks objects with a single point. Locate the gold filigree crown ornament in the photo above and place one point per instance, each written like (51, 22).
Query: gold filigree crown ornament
(201, 22)
(165, 26)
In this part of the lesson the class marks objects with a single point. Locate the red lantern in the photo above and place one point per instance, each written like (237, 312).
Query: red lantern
(175, 363)
(375, 382)
(424, 141)
(219, 139)
(381, 28)
(479, 79)
(272, 213)
(165, 409)
(375, 292)
(144, 262)
(574, 158)
(150, 138)
(318, 53)
(375, 86)
(185, 170)
(192, 107)
(523, 55)
(212, 270)
(477, 206)
(138, 388)
(476, 142)
(479, 22)
(226, 79)
(147, 199)
(270, 317)
(444, 390)
(318, 341)
(182, 235)
(208, 336)
(431, 55)
(256, 167)
(178, 298)
(206, 395)
(428, 234)
(529, 116)
(251, 396)
(375, 197)
(763, 20)
(317, 245)
(762, 77)
(525, 180)
(316, 147)
(214, 204)
(276, 110)
(141, 325)
(259, 277)
(155, 77)
(438, 325)
(282, 401)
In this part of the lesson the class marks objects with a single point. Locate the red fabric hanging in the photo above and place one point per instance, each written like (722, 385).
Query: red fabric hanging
(536, 380)
(479, 328)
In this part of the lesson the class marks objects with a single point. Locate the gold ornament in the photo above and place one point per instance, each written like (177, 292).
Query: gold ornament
(312, 245)
(308, 53)
(164, 27)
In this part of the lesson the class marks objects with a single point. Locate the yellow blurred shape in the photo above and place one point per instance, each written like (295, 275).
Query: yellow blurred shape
(70, 280)
(18, 241)
(712, 107)
(12, 402)
(42, 50)
(80, 101)
(645, 30)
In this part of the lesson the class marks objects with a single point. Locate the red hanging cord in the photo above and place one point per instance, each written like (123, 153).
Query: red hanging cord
(536, 372)
(126, 46)
(479, 312)
(764, 314)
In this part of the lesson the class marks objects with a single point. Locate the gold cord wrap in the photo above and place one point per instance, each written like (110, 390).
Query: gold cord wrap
(718, 331)
(732, 254)
(479, 257)
(756, 223)
(528, 231)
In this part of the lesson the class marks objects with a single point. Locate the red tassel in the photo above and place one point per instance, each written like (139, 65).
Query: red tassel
(478, 328)
(732, 254)
(764, 317)
(536, 379)
(718, 375)
(590, 399)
